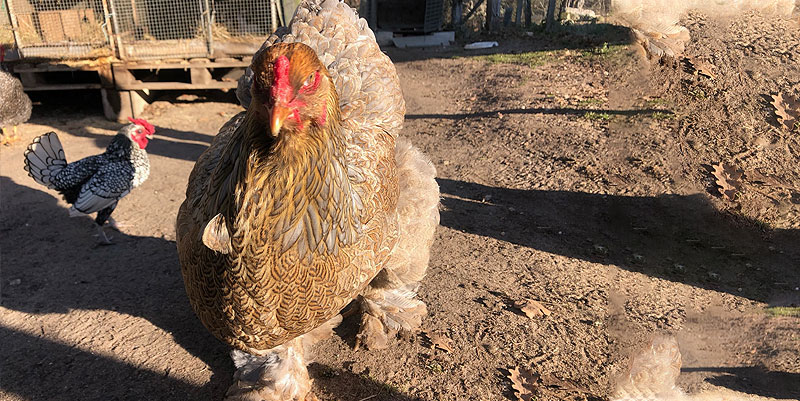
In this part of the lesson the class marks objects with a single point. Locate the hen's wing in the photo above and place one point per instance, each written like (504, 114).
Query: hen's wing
(111, 182)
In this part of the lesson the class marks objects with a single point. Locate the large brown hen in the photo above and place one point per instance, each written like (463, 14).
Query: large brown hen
(307, 201)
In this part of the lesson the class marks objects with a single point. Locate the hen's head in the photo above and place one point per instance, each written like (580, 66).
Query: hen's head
(292, 91)
(139, 131)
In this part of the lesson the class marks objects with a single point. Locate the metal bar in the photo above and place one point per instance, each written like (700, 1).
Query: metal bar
(12, 17)
(209, 24)
(282, 18)
(273, 14)
(114, 17)
(106, 28)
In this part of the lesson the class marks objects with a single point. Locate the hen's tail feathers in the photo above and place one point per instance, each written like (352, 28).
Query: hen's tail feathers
(389, 304)
(417, 219)
(44, 159)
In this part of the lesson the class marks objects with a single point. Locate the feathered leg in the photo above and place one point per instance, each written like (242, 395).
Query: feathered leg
(280, 374)
(388, 304)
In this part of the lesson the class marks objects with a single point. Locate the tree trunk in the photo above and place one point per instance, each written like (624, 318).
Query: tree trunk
(528, 12)
(458, 10)
(493, 13)
(550, 24)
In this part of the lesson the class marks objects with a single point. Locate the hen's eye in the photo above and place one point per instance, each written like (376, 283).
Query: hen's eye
(309, 80)
(139, 131)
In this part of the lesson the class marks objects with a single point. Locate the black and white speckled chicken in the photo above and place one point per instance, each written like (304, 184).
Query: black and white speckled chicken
(95, 183)
(15, 105)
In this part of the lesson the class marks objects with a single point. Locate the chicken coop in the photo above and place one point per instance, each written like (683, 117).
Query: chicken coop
(128, 47)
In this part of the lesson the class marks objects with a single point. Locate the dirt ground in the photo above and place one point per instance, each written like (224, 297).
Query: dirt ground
(583, 182)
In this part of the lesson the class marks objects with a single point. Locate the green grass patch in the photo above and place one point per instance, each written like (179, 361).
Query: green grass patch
(791, 311)
(590, 102)
(604, 51)
(662, 115)
(531, 59)
(697, 93)
(597, 116)
(656, 101)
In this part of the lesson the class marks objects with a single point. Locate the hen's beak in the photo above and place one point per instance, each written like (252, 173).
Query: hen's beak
(277, 117)
(149, 136)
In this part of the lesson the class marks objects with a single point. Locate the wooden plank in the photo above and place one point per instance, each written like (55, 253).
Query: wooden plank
(182, 66)
(123, 77)
(50, 23)
(29, 79)
(27, 31)
(233, 75)
(175, 85)
(56, 87)
(106, 76)
(200, 76)
(55, 67)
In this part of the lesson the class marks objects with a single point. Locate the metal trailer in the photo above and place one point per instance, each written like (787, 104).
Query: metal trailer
(126, 48)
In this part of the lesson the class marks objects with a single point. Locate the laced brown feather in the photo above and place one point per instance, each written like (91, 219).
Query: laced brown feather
(308, 230)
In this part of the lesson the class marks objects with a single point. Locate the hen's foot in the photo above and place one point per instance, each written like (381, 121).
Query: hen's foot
(104, 239)
(8, 138)
(387, 313)
(115, 225)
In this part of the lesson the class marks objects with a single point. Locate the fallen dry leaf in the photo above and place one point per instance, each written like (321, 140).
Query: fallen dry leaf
(728, 178)
(532, 308)
(528, 385)
(697, 66)
(787, 108)
(439, 340)
(524, 382)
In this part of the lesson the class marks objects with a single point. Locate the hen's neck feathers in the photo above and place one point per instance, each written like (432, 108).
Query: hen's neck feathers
(295, 186)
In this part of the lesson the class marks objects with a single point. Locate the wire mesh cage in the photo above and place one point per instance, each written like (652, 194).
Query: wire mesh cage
(161, 28)
(6, 34)
(138, 29)
(59, 28)
(148, 29)
(242, 20)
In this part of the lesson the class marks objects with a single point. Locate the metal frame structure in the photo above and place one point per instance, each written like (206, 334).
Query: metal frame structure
(139, 29)
(126, 48)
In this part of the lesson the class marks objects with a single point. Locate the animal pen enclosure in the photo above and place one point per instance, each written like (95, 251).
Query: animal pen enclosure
(128, 47)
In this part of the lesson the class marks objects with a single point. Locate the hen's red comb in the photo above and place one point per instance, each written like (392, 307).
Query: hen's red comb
(281, 89)
(149, 128)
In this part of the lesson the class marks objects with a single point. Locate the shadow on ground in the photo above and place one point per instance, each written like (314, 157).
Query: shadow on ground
(650, 235)
(60, 268)
(64, 109)
(754, 380)
(539, 110)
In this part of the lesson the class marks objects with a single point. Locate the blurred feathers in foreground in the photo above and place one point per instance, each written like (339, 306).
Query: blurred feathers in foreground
(653, 375)
(656, 23)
